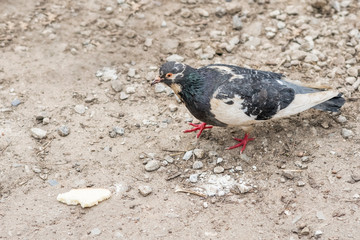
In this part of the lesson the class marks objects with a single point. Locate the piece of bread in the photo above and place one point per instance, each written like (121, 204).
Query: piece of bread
(86, 197)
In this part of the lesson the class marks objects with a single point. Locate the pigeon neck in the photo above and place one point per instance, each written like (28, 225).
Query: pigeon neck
(191, 86)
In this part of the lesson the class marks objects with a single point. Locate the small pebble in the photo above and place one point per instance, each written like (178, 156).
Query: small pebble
(353, 72)
(107, 74)
(169, 159)
(80, 109)
(175, 58)
(193, 178)
(52, 182)
(145, 190)
(219, 160)
(148, 42)
(237, 23)
(173, 108)
(288, 174)
(301, 184)
(197, 165)
(187, 155)
(152, 165)
(305, 231)
(159, 88)
(15, 102)
(320, 215)
(38, 133)
(318, 233)
(63, 130)
(341, 119)
(131, 72)
(36, 169)
(123, 96)
(218, 169)
(199, 153)
(95, 231)
(116, 85)
(238, 168)
(347, 133)
(130, 90)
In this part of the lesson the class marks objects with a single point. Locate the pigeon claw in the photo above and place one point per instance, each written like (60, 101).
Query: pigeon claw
(242, 142)
(200, 127)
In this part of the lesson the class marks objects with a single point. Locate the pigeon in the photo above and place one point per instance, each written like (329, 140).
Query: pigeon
(226, 95)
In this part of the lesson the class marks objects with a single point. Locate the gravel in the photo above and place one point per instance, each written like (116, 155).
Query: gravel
(95, 231)
(173, 107)
(63, 130)
(80, 109)
(16, 102)
(152, 165)
(193, 178)
(38, 133)
(197, 165)
(145, 190)
(116, 85)
(175, 58)
(131, 72)
(237, 23)
(188, 155)
(107, 74)
(347, 133)
(218, 169)
(199, 153)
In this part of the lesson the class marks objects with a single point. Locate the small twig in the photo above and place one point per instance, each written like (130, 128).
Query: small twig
(173, 176)
(2, 151)
(171, 150)
(191, 192)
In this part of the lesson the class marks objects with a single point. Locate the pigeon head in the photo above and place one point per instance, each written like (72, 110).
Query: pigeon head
(171, 73)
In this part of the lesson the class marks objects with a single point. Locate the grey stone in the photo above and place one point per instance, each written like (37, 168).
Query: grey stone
(274, 13)
(80, 109)
(46, 121)
(106, 74)
(131, 72)
(193, 178)
(95, 231)
(288, 174)
(187, 155)
(199, 153)
(185, 13)
(123, 96)
(197, 165)
(233, 7)
(130, 90)
(116, 85)
(281, 25)
(341, 119)
(298, 55)
(318, 233)
(169, 159)
(220, 11)
(213, 154)
(38, 133)
(173, 108)
(237, 23)
(253, 42)
(118, 130)
(347, 133)
(152, 165)
(305, 231)
(320, 215)
(63, 130)
(218, 169)
(311, 58)
(301, 184)
(292, 10)
(159, 88)
(36, 169)
(145, 190)
(15, 102)
(148, 42)
(52, 182)
(254, 29)
(353, 72)
(202, 12)
(350, 80)
(175, 58)
(235, 40)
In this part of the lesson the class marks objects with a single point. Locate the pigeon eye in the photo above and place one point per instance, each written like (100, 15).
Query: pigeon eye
(168, 75)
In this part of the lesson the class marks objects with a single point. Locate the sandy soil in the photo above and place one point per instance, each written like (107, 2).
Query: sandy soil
(298, 179)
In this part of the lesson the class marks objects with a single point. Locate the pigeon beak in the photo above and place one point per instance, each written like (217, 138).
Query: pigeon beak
(156, 80)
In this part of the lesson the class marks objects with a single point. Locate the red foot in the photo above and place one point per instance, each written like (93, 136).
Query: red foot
(200, 127)
(242, 142)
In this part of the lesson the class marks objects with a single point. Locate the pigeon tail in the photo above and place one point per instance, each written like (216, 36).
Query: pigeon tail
(333, 105)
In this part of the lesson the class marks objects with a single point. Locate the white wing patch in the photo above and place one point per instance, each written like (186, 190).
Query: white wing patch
(231, 114)
(303, 102)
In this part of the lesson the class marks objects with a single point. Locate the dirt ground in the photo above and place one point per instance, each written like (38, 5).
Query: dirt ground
(299, 179)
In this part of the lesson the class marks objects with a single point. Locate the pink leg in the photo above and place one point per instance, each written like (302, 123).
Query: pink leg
(200, 127)
(242, 142)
